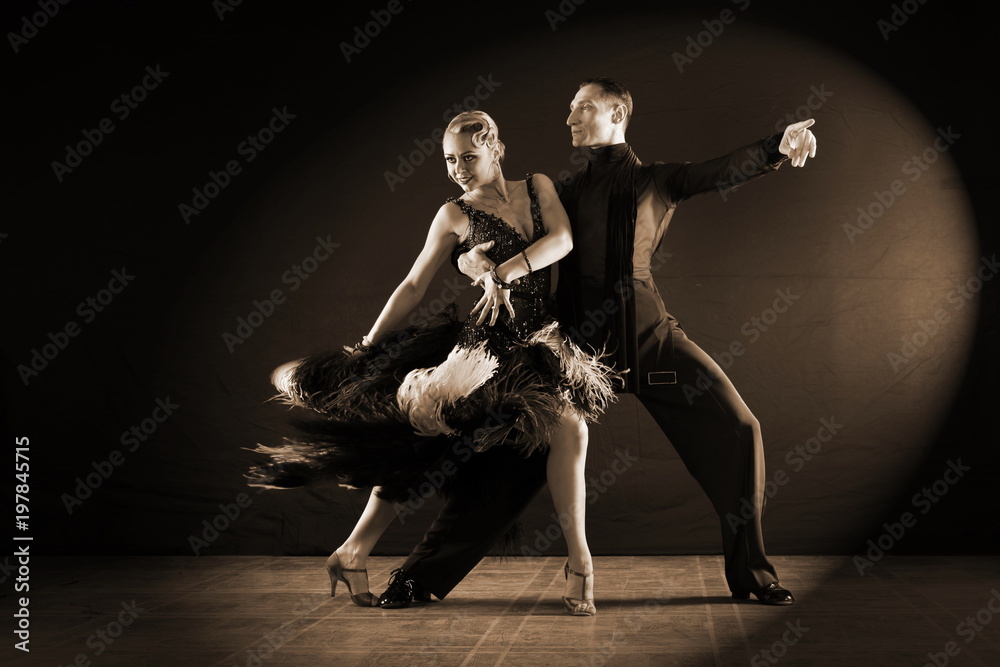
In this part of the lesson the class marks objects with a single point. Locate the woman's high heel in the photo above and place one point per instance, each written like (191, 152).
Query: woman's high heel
(336, 571)
(578, 607)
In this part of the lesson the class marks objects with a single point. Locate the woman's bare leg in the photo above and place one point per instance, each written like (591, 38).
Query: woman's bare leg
(347, 563)
(378, 514)
(374, 520)
(353, 553)
(565, 468)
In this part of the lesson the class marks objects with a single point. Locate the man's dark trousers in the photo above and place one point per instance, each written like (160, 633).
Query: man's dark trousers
(714, 433)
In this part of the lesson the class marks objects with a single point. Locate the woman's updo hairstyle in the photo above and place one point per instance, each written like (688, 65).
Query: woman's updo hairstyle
(484, 131)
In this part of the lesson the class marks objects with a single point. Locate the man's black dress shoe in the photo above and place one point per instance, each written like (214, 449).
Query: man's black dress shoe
(770, 594)
(402, 592)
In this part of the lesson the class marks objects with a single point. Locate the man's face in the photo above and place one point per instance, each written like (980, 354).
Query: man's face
(591, 119)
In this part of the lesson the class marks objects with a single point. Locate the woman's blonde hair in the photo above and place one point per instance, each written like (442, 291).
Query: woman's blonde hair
(484, 131)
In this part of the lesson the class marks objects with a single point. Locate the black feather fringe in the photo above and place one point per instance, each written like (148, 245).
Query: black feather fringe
(359, 436)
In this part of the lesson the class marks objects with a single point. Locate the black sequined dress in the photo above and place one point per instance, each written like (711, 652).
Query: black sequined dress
(418, 405)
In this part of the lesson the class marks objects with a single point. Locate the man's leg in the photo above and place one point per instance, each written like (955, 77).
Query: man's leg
(475, 518)
(719, 440)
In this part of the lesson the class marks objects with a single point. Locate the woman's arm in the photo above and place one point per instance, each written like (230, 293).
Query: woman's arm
(556, 244)
(441, 240)
(475, 264)
(552, 247)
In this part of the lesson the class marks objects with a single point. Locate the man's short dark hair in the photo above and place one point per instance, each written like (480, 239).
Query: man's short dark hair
(612, 91)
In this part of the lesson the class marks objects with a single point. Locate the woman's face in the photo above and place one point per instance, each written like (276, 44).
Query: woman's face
(469, 165)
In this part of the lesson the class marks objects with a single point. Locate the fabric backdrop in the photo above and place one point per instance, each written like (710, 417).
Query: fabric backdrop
(154, 290)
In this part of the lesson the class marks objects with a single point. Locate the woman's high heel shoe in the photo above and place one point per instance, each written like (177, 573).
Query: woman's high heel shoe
(336, 571)
(580, 607)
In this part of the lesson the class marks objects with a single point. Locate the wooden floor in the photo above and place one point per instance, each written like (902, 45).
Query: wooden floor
(257, 611)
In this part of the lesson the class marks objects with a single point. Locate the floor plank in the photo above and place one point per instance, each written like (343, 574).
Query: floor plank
(254, 611)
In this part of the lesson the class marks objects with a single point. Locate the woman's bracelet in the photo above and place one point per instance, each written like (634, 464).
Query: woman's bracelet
(496, 279)
(525, 255)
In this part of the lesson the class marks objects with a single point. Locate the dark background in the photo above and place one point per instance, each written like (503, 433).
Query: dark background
(324, 176)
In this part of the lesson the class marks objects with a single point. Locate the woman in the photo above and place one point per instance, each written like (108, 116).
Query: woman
(511, 361)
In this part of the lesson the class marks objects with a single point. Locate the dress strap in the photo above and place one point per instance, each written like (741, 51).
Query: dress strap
(461, 204)
(531, 187)
(468, 210)
(536, 207)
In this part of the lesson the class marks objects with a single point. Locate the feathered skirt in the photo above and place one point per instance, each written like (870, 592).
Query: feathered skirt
(427, 399)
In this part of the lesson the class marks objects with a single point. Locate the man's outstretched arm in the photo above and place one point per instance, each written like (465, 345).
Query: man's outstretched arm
(678, 182)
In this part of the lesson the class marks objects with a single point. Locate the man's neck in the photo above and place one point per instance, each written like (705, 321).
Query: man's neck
(615, 139)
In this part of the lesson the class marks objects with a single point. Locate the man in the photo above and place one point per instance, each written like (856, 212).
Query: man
(620, 210)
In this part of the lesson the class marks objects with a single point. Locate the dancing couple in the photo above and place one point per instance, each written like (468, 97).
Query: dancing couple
(499, 404)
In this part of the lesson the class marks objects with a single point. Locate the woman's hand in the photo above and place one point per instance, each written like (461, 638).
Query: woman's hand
(358, 349)
(475, 262)
(494, 298)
